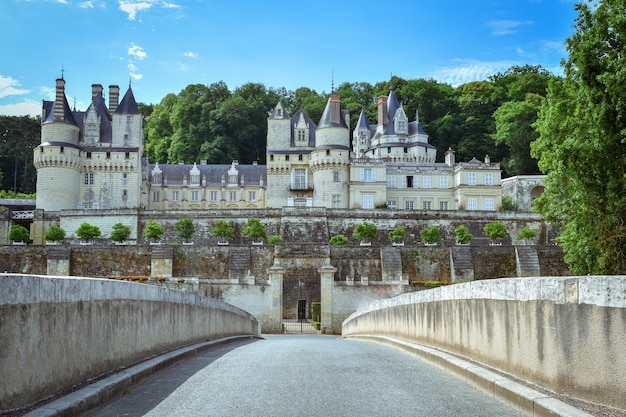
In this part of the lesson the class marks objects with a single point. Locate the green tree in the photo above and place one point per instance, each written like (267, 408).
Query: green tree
(254, 229)
(508, 204)
(495, 230)
(153, 231)
(581, 144)
(19, 233)
(275, 239)
(338, 240)
(430, 234)
(526, 234)
(397, 234)
(18, 137)
(55, 234)
(222, 229)
(158, 130)
(185, 228)
(88, 232)
(462, 234)
(365, 231)
(119, 232)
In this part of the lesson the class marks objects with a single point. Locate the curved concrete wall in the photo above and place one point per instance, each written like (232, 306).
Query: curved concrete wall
(58, 332)
(566, 334)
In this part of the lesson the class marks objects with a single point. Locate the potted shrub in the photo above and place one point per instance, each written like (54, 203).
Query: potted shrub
(495, 230)
(119, 233)
(430, 235)
(526, 235)
(154, 231)
(338, 240)
(222, 230)
(185, 229)
(397, 236)
(88, 232)
(463, 236)
(273, 240)
(19, 235)
(255, 230)
(54, 235)
(365, 232)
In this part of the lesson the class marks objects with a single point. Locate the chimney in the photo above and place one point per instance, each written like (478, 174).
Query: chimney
(487, 159)
(95, 89)
(382, 110)
(335, 108)
(114, 97)
(59, 99)
(450, 157)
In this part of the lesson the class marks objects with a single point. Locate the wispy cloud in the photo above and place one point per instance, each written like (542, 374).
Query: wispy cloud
(133, 7)
(134, 71)
(506, 27)
(468, 70)
(8, 87)
(190, 54)
(137, 51)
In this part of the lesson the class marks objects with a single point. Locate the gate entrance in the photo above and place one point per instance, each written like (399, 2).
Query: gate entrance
(301, 287)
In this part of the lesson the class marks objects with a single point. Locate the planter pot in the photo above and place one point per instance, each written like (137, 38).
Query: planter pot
(19, 243)
(495, 243)
(86, 243)
(121, 243)
(398, 243)
(48, 243)
(366, 243)
(430, 244)
(462, 244)
(155, 243)
(222, 243)
(187, 243)
(257, 243)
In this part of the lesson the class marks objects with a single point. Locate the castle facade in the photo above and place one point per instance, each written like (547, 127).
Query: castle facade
(93, 160)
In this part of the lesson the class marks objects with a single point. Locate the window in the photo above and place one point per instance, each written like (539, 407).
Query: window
(368, 201)
(426, 181)
(391, 204)
(88, 155)
(335, 176)
(124, 176)
(125, 138)
(406, 150)
(336, 201)
(88, 178)
(426, 205)
(327, 152)
(443, 181)
(300, 157)
(489, 204)
(155, 196)
(401, 126)
(92, 130)
(443, 205)
(408, 205)
(471, 178)
(127, 155)
(388, 150)
(391, 181)
(367, 175)
(409, 182)
(251, 195)
(124, 194)
(213, 196)
(233, 196)
(108, 155)
(488, 178)
(271, 157)
(62, 149)
(194, 196)
(299, 179)
(174, 195)
(286, 157)
(301, 135)
(156, 178)
(472, 203)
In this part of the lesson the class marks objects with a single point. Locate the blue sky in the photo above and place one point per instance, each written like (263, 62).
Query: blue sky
(163, 46)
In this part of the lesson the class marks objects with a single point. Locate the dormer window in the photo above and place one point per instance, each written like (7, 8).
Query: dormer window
(194, 175)
(301, 135)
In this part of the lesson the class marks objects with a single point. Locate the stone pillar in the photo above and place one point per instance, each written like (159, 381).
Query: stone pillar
(37, 228)
(274, 323)
(162, 262)
(327, 277)
(59, 261)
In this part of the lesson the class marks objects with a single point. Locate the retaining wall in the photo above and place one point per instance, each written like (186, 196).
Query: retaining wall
(59, 332)
(565, 334)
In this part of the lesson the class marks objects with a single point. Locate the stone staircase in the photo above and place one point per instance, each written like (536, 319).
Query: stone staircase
(461, 264)
(239, 261)
(391, 264)
(527, 261)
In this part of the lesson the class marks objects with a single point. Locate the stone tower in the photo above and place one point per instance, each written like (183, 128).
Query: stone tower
(330, 160)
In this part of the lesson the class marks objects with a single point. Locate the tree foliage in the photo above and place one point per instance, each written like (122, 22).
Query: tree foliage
(18, 137)
(19, 233)
(462, 234)
(397, 234)
(430, 234)
(365, 231)
(526, 234)
(185, 228)
(222, 229)
(495, 230)
(154, 231)
(119, 232)
(338, 240)
(254, 229)
(582, 128)
(55, 234)
(88, 232)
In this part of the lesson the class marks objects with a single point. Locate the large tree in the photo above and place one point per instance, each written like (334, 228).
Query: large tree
(18, 137)
(582, 130)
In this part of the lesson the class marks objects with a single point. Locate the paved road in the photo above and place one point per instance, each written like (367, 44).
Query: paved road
(303, 376)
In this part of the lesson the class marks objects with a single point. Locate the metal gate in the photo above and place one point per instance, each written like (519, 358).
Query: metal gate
(301, 324)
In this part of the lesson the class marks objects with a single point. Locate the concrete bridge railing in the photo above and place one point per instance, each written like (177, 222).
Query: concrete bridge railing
(59, 332)
(566, 334)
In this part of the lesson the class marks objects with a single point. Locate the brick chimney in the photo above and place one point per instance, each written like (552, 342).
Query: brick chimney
(59, 99)
(335, 108)
(382, 110)
(114, 97)
(95, 89)
(450, 160)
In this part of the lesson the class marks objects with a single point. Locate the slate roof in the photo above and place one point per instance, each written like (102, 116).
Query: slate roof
(174, 173)
(128, 105)
(308, 120)
(325, 120)
(68, 116)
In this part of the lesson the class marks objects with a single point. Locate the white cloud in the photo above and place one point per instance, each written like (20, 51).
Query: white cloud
(86, 4)
(25, 108)
(190, 54)
(136, 51)
(8, 87)
(131, 7)
(170, 5)
(181, 66)
(134, 71)
(506, 27)
(468, 71)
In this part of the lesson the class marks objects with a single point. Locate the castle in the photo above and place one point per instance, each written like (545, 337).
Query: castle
(93, 159)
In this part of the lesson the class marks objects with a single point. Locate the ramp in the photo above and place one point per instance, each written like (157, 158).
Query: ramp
(527, 261)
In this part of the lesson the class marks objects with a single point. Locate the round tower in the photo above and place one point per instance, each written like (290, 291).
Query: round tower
(58, 158)
(330, 161)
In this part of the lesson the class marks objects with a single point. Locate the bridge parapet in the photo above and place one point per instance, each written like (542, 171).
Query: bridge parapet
(59, 332)
(562, 333)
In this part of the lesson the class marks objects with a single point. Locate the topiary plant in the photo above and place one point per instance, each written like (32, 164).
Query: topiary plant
(88, 232)
(495, 230)
(430, 235)
(254, 229)
(365, 231)
(19, 233)
(274, 239)
(154, 231)
(119, 233)
(222, 229)
(338, 240)
(462, 235)
(185, 228)
(397, 234)
(54, 234)
(526, 234)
